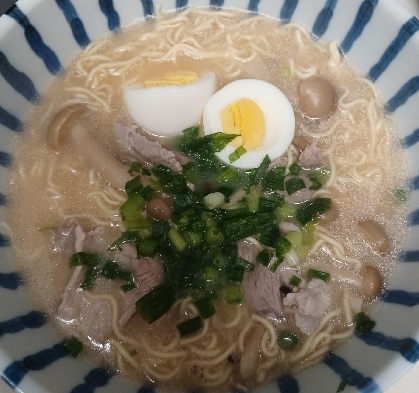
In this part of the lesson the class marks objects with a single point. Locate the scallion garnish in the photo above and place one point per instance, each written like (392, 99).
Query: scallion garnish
(126, 237)
(287, 340)
(401, 195)
(205, 307)
(312, 273)
(147, 193)
(363, 323)
(132, 207)
(274, 180)
(139, 224)
(147, 247)
(190, 326)
(213, 236)
(177, 240)
(341, 386)
(276, 264)
(282, 246)
(84, 259)
(256, 175)
(247, 266)
(133, 186)
(264, 258)
(73, 347)
(237, 154)
(294, 169)
(311, 209)
(135, 167)
(295, 281)
(294, 184)
(233, 293)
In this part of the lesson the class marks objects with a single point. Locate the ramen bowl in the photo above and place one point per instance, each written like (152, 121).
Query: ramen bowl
(37, 40)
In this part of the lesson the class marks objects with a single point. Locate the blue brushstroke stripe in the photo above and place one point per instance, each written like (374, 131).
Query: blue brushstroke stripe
(35, 41)
(4, 241)
(32, 320)
(353, 377)
(288, 384)
(287, 10)
(413, 218)
(17, 79)
(216, 3)
(3, 200)
(323, 19)
(96, 378)
(10, 280)
(9, 121)
(5, 158)
(409, 256)
(148, 7)
(107, 7)
(362, 18)
(407, 347)
(253, 6)
(404, 34)
(146, 389)
(403, 298)
(181, 3)
(414, 183)
(406, 91)
(410, 140)
(16, 371)
(76, 24)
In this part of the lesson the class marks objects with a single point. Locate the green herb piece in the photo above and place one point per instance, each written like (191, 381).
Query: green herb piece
(155, 185)
(269, 236)
(341, 386)
(190, 326)
(295, 281)
(191, 173)
(214, 200)
(234, 273)
(294, 184)
(89, 279)
(256, 175)
(140, 224)
(274, 180)
(240, 228)
(233, 293)
(276, 264)
(401, 195)
(146, 172)
(294, 169)
(287, 340)
(264, 257)
(282, 246)
(237, 154)
(110, 270)
(295, 238)
(126, 237)
(194, 238)
(156, 303)
(267, 205)
(311, 273)
(147, 247)
(252, 198)
(247, 266)
(147, 193)
(286, 211)
(316, 183)
(228, 175)
(177, 240)
(213, 236)
(73, 347)
(188, 135)
(205, 307)
(133, 186)
(135, 167)
(84, 259)
(128, 286)
(311, 209)
(211, 143)
(132, 208)
(176, 185)
(363, 323)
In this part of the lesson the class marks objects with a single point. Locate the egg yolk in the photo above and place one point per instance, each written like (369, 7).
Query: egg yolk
(172, 79)
(245, 118)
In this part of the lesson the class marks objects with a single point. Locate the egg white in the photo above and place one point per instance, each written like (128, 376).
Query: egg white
(168, 110)
(277, 110)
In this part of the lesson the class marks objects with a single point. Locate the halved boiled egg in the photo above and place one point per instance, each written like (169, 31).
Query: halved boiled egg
(259, 113)
(168, 105)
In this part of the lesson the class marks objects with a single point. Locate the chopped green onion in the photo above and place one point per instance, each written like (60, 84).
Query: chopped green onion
(294, 184)
(252, 198)
(274, 180)
(256, 175)
(191, 173)
(110, 270)
(316, 183)
(189, 135)
(214, 200)
(84, 259)
(276, 264)
(363, 323)
(205, 307)
(212, 143)
(311, 209)
(190, 326)
(287, 340)
(269, 236)
(155, 185)
(128, 286)
(401, 195)
(147, 247)
(233, 293)
(92, 272)
(140, 224)
(126, 237)
(295, 238)
(267, 205)
(286, 211)
(156, 303)
(247, 266)
(295, 281)
(237, 154)
(194, 238)
(132, 208)
(135, 167)
(234, 273)
(228, 174)
(282, 246)
(177, 240)
(294, 169)
(311, 273)
(264, 257)
(146, 172)
(147, 193)
(133, 186)
(341, 386)
(73, 347)
(213, 236)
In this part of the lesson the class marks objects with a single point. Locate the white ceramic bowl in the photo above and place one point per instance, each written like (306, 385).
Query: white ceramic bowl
(37, 39)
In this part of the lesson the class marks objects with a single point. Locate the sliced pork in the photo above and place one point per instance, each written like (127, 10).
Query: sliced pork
(247, 250)
(311, 157)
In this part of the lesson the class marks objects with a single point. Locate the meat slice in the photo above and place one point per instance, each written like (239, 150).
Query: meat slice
(262, 290)
(287, 227)
(279, 161)
(247, 250)
(148, 274)
(89, 320)
(145, 150)
(68, 238)
(311, 157)
(310, 305)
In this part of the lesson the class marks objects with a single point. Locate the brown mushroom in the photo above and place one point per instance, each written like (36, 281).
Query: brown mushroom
(64, 124)
(372, 282)
(158, 209)
(249, 360)
(375, 235)
(317, 97)
(300, 142)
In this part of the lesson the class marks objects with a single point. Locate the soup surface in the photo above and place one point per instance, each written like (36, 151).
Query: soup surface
(268, 320)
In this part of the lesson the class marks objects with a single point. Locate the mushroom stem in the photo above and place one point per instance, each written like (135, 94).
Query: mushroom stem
(105, 164)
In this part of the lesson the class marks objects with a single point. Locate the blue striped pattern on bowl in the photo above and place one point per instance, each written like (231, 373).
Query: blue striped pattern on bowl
(37, 38)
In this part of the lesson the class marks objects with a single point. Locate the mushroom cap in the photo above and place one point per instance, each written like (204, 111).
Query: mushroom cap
(372, 282)
(61, 123)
